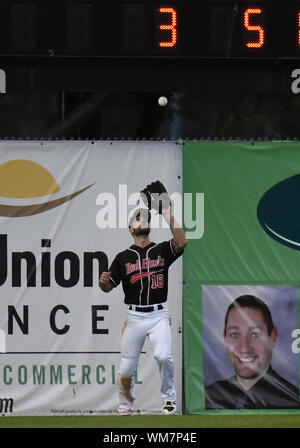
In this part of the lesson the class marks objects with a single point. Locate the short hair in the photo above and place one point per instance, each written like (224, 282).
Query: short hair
(140, 211)
(248, 301)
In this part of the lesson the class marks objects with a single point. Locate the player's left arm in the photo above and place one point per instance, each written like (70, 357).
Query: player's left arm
(180, 240)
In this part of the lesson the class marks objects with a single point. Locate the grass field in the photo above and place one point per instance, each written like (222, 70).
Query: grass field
(150, 421)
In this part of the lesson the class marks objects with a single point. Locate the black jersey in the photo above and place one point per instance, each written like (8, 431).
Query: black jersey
(144, 272)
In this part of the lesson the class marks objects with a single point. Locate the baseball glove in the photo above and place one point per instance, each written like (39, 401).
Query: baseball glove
(156, 197)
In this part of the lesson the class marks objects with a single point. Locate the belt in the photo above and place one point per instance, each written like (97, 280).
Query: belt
(146, 309)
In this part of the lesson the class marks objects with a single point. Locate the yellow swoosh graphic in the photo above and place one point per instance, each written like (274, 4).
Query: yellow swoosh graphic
(17, 211)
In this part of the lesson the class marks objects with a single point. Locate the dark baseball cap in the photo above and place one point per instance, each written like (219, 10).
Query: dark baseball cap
(144, 212)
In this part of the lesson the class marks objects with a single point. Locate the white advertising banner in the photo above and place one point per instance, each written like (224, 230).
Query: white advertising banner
(64, 210)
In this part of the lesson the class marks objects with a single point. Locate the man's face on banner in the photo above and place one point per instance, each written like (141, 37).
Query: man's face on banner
(248, 344)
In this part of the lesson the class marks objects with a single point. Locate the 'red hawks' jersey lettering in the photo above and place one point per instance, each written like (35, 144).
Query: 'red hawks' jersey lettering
(146, 263)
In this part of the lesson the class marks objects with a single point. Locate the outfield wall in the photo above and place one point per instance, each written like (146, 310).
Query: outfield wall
(250, 246)
(63, 217)
(64, 209)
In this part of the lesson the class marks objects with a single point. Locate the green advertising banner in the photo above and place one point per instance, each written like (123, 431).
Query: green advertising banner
(241, 276)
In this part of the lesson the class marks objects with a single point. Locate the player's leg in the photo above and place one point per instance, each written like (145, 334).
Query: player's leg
(160, 337)
(133, 338)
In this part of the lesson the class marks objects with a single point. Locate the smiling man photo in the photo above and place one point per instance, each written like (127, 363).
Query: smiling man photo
(250, 337)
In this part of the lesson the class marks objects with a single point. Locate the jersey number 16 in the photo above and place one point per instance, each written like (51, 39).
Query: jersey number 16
(157, 281)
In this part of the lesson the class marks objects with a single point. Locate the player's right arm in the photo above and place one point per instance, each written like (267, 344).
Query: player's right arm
(105, 284)
(111, 279)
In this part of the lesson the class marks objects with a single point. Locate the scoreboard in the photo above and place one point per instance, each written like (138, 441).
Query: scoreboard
(148, 28)
(192, 35)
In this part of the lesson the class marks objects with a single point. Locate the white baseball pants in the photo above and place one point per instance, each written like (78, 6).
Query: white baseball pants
(155, 325)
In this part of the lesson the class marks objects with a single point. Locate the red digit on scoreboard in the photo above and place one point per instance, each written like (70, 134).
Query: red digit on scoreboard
(169, 27)
(299, 28)
(261, 32)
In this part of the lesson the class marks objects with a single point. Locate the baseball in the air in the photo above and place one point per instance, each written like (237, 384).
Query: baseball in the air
(162, 101)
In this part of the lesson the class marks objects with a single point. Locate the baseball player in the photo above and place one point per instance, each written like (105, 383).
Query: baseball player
(143, 271)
